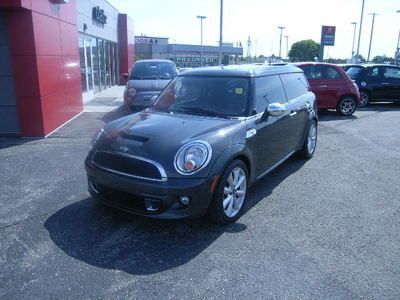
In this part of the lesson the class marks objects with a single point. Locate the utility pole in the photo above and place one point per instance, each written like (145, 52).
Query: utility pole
(287, 46)
(220, 32)
(354, 38)
(372, 31)
(280, 42)
(359, 32)
(396, 55)
(201, 38)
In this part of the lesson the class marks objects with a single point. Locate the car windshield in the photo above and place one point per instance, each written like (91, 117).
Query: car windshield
(153, 70)
(201, 95)
(353, 72)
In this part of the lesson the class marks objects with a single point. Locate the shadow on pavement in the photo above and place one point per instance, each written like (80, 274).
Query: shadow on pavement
(332, 115)
(106, 238)
(382, 106)
(113, 115)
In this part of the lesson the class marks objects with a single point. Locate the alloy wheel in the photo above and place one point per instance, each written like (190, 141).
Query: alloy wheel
(347, 106)
(312, 138)
(364, 99)
(234, 192)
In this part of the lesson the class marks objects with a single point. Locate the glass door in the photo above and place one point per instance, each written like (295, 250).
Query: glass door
(86, 62)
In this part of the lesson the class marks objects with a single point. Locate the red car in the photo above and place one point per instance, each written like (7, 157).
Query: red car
(332, 87)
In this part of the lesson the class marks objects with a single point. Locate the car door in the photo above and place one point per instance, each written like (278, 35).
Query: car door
(391, 81)
(270, 135)
(325, 89)
(299, 104)
(371, 79)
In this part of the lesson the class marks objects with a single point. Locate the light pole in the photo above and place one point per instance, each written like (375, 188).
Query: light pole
(359, 31)
(287, 46)
(280, 41)
(398, 44)
(372, 31)
(220, 32)
(354, 38)
(201, 38)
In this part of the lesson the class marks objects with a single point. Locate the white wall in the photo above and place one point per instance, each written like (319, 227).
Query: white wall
(108, 31)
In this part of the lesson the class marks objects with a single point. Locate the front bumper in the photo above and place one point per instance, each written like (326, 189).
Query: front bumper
(134, 195)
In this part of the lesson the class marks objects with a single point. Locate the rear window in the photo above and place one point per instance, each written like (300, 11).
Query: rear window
(153, 70)
(295, 85)
(353, 72)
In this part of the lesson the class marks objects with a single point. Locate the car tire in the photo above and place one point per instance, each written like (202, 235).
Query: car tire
(233, 185)
(346, 106)
(364, 98)
(310, 141)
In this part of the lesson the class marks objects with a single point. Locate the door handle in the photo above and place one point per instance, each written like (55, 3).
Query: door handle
(293, 113)
(385, 83)
(323, 86)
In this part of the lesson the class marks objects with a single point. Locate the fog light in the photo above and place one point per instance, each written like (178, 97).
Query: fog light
(185, 200)
(94, 186)
(152, 204)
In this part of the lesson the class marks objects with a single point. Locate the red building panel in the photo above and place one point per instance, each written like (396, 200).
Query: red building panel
(126, 40)
(45, 56)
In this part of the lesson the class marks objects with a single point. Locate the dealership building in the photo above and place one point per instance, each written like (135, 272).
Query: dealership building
(185, 55)
(54, 55)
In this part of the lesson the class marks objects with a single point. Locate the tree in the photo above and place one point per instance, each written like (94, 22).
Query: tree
(382, 59)
(306, 50)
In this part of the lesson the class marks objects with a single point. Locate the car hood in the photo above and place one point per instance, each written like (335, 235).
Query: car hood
(142, 85)
(159, 135)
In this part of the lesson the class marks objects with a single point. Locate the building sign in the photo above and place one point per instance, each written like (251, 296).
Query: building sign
(99, 16)
(328, 35)
(145, 40)
(191, 59)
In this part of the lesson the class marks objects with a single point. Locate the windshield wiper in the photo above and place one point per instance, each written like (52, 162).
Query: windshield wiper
(202, 110)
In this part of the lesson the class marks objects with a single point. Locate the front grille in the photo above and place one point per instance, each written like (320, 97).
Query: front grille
(121, 199)
(128, 165)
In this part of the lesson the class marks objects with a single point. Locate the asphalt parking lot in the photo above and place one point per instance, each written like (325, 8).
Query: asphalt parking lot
(325, 228)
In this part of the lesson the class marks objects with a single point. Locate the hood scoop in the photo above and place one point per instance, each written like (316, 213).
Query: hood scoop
(135, 138)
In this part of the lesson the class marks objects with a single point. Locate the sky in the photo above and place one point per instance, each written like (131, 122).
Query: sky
(259, 19)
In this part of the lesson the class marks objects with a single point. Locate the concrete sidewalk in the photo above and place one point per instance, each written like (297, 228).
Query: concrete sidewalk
(106, 101)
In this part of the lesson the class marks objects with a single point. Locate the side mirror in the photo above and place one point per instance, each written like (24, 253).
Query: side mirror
(276, 109)
(124, 76)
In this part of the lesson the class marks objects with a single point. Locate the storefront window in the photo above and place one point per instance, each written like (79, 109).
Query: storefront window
(98, 62)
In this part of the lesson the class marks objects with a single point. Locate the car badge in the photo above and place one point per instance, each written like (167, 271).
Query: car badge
(123, 148)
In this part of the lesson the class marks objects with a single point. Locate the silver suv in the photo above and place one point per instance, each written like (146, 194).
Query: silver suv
(146, 81)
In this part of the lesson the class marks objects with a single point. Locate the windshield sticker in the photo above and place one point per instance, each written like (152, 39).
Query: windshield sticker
(239, 91)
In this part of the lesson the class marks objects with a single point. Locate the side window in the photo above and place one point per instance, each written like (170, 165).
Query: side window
(391, 73)
(312, 72)
(372, 73)
(268, 89)
(331, 73)
(295, 85)
(308, 72)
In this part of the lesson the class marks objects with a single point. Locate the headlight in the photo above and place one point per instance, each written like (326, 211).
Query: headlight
(96, 138)
(131, 92)
(192, 157)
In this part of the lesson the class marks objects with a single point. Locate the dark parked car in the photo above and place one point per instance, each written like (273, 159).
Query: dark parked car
(332, 87)
(348, 66)
(146, 81)
(377, 82)
(210, 135)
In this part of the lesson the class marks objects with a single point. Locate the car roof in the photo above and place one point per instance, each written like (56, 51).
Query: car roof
(154, 60)
(380, 65)
(248, 70)
(315, 63)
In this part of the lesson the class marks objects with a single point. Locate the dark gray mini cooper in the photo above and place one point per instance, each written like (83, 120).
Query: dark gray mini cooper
(211, 133)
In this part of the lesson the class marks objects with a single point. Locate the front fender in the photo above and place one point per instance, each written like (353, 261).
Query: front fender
(237, 151)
